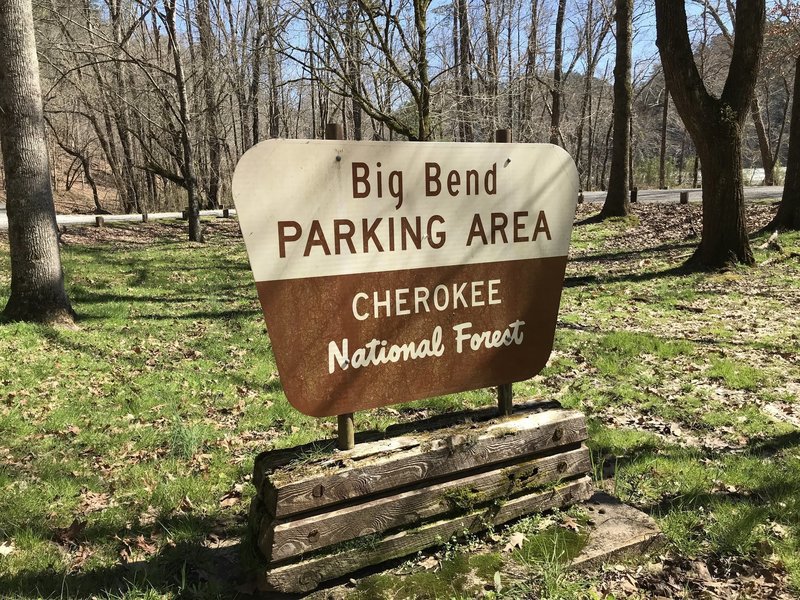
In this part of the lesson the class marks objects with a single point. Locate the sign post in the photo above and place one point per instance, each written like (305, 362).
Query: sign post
(505, 392)
(345, 423)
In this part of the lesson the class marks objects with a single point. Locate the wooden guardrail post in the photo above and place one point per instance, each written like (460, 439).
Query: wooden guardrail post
(634, 195)
(684, 198)
(346, 430)
(505, 392)
(99, 221)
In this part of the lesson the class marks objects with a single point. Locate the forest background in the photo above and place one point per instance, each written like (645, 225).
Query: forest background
(146, 99)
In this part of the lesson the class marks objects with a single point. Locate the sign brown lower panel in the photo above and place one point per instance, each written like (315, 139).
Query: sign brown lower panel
(353, 342)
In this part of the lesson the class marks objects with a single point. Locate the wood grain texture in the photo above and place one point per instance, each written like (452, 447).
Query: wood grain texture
(390, 464)
(307, 575)
(285, 539)
(371, 443)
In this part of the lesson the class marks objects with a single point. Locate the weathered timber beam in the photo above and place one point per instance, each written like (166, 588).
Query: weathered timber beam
(281, 540)
(307, 575)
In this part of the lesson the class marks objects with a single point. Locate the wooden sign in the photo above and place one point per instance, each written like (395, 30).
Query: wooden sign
(390, 272)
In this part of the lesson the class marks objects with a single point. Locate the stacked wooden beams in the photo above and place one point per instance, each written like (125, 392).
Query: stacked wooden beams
(318, 517)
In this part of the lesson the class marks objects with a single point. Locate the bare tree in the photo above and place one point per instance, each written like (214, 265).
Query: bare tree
(184, 116)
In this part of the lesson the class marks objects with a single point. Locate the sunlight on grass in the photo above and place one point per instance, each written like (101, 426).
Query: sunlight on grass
(139, 423)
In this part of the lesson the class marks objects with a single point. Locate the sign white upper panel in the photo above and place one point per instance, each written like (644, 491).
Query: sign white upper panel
(311, 208)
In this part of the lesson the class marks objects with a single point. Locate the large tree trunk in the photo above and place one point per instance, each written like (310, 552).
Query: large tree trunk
(724, 238)
(788, 216)
(37, 281)
(715, 124)
(617, 202)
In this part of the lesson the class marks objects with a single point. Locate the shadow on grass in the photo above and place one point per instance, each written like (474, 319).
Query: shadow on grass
(209, 565)
(772, 496)
(590, 220)
(578, 281)
(632, 254)
(56, 337)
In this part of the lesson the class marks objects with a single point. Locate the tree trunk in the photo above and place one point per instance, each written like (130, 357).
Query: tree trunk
(273, 70)
(724, 239)
(122, 115)
(425, 129)
(662, 157)
(212, 130)
(715, 124)
(617, 202)
(531, 55)
(354, 68)
(788, 216)
(555, 111)
(187, 162)
(587, 91)
(37, 281)
(465, 71)
(767, 162)
(492, 64)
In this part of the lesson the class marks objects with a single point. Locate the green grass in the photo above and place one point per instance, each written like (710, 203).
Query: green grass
(144, 418)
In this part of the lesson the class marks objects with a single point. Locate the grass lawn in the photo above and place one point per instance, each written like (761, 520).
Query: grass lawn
(126, 445)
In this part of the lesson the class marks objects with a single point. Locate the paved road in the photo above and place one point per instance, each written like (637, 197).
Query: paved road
(90, 219)
(673, 195)
(666, 196)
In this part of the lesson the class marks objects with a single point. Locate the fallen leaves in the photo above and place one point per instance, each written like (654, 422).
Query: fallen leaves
(185, 505)
(7, 548)
(232, 497)
(515, 542)
(136, 547)
(69, 536)
(428, 563)
(94, 501)
(567, 522)
(713, 579)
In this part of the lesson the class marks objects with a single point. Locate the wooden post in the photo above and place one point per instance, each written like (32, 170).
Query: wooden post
(226, 213)
(334, 131)
(684, 197)
(634, 195)
(346, 429)
(145, 217)
(505, 392)
(502, 136)
(580, 197)
(99, 221)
